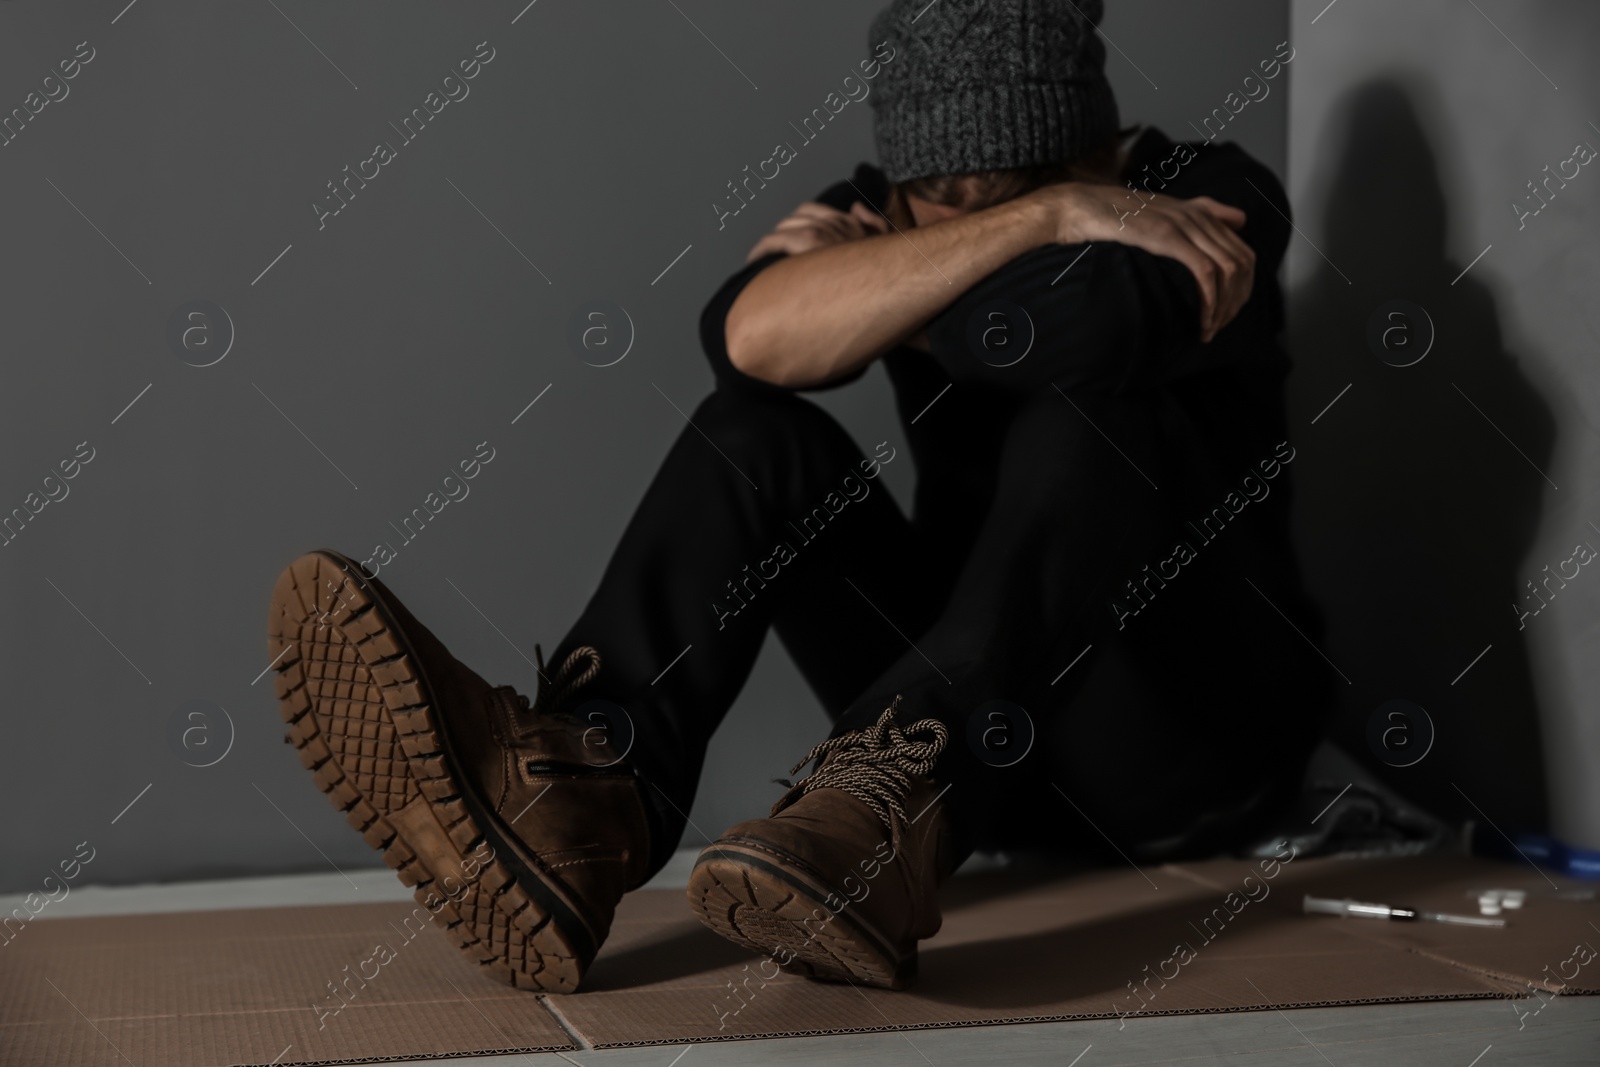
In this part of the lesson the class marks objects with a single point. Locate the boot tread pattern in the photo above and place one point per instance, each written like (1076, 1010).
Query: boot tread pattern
(791, 924)
(357, 715)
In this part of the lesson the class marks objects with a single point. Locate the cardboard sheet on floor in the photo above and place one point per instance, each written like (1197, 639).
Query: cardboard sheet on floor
(252, 987)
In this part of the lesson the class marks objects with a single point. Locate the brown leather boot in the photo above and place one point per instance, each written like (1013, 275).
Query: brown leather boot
(839, 883)
(519, 828)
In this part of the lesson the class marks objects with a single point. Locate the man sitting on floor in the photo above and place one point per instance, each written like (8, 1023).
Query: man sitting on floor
(1084, 634)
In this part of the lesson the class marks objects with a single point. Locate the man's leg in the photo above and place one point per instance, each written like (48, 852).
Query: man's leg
(1180, 715)
(840, 880)
(760, 511)
(1178, 741)
(1178, 723)
(521, 824)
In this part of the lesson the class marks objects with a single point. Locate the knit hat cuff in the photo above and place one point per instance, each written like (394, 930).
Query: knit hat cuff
(992, 127)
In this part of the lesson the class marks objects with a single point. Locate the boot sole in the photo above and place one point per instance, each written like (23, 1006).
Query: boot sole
(773, 904)
(363, 719)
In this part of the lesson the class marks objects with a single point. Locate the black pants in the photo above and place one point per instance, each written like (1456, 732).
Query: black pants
(1173, 734)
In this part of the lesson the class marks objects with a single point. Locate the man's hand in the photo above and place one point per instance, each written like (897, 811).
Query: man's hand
(1198, 233)
(814, 225)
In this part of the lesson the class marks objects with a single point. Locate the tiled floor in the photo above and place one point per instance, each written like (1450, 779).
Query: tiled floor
(1450, 1034)
(1482, 1033)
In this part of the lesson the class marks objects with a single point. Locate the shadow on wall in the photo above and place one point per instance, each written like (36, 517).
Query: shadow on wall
(1420, 495)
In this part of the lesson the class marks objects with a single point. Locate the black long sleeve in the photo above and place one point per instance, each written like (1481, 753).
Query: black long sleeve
(867, 182)
(1117, 317)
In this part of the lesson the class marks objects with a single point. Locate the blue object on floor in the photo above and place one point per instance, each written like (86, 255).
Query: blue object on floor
(1540, 849)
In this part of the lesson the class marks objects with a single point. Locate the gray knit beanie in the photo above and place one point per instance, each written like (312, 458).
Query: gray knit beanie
(989, 84)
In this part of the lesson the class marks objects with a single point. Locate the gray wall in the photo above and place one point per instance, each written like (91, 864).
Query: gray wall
(1434, 492)
(379, 350)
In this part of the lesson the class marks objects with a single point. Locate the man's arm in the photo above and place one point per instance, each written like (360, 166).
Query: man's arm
(1114, 315)
(829, 311)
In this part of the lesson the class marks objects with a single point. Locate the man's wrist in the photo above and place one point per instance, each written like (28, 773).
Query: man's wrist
(1052, 215)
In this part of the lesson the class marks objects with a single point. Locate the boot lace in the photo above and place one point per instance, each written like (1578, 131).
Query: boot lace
(556, 687)
(874, 765)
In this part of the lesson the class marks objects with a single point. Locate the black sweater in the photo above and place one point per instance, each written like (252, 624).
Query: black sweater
(1121, 320)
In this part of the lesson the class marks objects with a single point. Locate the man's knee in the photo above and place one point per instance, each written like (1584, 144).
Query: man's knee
(1086, 427)
(782, 433)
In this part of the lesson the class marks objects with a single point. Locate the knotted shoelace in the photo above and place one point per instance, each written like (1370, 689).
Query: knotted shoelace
(874, 765)
(556, 688)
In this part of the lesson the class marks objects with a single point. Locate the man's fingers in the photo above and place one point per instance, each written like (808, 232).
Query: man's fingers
(769, 244)
(1242, 274)
(813, 210)
(794, 235)
(1179, 246)
(1235, 264)
(869, 218)
(838, 228)
(1201, 233)
(1229, 214)
(839, 225)
(1211, 237)
(815, 233)
(1218, 266)
(1220, 223)
(1229, 238)
(789, 242)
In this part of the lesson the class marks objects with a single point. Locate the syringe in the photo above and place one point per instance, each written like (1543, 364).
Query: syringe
(1358, 909)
